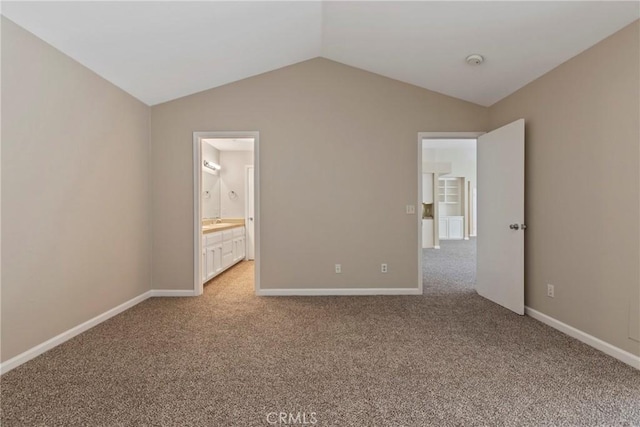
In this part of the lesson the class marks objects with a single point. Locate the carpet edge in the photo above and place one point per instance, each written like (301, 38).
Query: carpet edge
(41, 348)
(603, 346)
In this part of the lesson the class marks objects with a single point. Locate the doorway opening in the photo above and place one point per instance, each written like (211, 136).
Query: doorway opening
(226, 203)
(449, 186)
(448, 208)
(500, 154)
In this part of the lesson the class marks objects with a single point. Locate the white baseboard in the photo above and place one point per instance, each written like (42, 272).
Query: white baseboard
(597, 343)
(436, 247)
(67, 335)
(338, 292)
(171, 293)
(77, 330)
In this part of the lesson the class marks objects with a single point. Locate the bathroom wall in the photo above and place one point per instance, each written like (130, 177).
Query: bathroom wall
(210, 183)
(232, 178)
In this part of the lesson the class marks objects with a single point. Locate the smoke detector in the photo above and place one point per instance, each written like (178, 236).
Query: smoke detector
(475, 59)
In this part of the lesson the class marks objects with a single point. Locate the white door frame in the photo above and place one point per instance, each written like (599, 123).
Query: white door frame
(432, 135)
(197, 205)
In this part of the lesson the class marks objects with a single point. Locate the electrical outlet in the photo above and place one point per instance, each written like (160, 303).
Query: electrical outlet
(384, 268)
(338, 268)
(411, 209)
(550, 290)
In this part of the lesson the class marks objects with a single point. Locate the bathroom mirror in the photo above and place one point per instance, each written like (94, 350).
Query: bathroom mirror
(224, 162)
(210, 195)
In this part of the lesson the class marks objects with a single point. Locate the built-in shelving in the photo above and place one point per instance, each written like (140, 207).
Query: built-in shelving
(449, 190)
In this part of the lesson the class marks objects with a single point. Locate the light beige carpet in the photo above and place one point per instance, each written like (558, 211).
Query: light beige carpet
(228, 358)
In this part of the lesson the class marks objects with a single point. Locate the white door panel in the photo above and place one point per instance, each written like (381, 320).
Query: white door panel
(500, 265)
(250, 214)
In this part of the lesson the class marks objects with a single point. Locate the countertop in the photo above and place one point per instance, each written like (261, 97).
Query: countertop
(209, 226)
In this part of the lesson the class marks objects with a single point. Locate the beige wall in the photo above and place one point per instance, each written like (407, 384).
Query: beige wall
(75, 189)
(338, 153)
(583, 185)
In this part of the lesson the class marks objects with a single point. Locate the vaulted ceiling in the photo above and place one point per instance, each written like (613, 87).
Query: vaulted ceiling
(158, 51)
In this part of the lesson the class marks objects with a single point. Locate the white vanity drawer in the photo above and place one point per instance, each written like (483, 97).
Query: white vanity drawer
(227, 235)
(237, 232)
(213, 238)
(227, 247)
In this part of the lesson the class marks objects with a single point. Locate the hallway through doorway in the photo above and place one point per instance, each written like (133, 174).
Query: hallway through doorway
(450, 269)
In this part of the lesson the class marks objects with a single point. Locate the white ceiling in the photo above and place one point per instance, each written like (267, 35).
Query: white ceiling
(426, 43)
(230, 144)
(158, 51)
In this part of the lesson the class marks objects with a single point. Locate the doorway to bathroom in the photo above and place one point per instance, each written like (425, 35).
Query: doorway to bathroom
(226, 203)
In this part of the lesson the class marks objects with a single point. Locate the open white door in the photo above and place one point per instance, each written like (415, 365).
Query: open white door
(500, 242)
(249, 216)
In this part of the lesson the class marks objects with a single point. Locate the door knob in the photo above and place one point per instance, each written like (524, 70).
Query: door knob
(250, 218)
(514, 227)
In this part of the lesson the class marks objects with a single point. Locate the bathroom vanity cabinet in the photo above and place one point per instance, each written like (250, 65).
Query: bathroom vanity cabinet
(221, 250)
